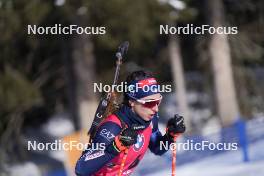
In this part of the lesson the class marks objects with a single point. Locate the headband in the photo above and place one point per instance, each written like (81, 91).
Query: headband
(142, 88)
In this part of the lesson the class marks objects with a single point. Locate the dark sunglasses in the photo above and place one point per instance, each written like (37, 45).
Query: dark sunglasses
(150, 103)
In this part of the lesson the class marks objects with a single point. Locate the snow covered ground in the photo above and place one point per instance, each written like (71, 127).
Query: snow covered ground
(225, 164)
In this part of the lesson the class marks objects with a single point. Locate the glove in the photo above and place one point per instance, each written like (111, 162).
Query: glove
(127, 138)
(175, 125)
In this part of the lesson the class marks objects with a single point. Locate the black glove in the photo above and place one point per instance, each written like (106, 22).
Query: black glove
(127, 137)
(176, 125)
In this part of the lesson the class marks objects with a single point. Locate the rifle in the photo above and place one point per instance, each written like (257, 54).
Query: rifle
(105, 102)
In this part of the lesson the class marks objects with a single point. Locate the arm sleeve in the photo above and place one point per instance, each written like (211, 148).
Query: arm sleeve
(100, 151)
(157, 140)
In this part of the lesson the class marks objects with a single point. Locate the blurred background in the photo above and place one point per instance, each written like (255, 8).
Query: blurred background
(46, 81)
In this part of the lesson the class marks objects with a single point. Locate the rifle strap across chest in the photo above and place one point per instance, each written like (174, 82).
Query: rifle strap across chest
(123, 124)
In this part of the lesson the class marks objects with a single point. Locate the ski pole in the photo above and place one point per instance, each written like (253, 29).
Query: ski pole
(123, 162)
(173, 166)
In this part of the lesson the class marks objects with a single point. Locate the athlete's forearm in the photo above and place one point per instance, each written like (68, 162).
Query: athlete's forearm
(156, 141)
(100, 152)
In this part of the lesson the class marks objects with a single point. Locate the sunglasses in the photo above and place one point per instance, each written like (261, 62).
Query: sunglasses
(150, 103)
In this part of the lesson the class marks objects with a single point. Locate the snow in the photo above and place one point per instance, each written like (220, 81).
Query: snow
(225, 164)
(58, 126)
(26, 169)
(212, 126)
(248, 169)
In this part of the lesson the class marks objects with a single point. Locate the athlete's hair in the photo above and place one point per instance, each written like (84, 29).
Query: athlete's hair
(135, 76)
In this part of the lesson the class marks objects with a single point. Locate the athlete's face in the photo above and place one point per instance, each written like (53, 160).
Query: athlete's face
(146, 107)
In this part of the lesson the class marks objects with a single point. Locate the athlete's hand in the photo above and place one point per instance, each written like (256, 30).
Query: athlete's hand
(127, 137)
(176, 125)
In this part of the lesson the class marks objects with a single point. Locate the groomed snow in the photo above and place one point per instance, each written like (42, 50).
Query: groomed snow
(226, 164)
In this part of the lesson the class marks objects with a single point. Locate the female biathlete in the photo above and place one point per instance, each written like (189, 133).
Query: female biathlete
(130, 131)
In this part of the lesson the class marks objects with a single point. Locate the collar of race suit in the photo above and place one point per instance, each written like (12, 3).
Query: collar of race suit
(129, 117)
